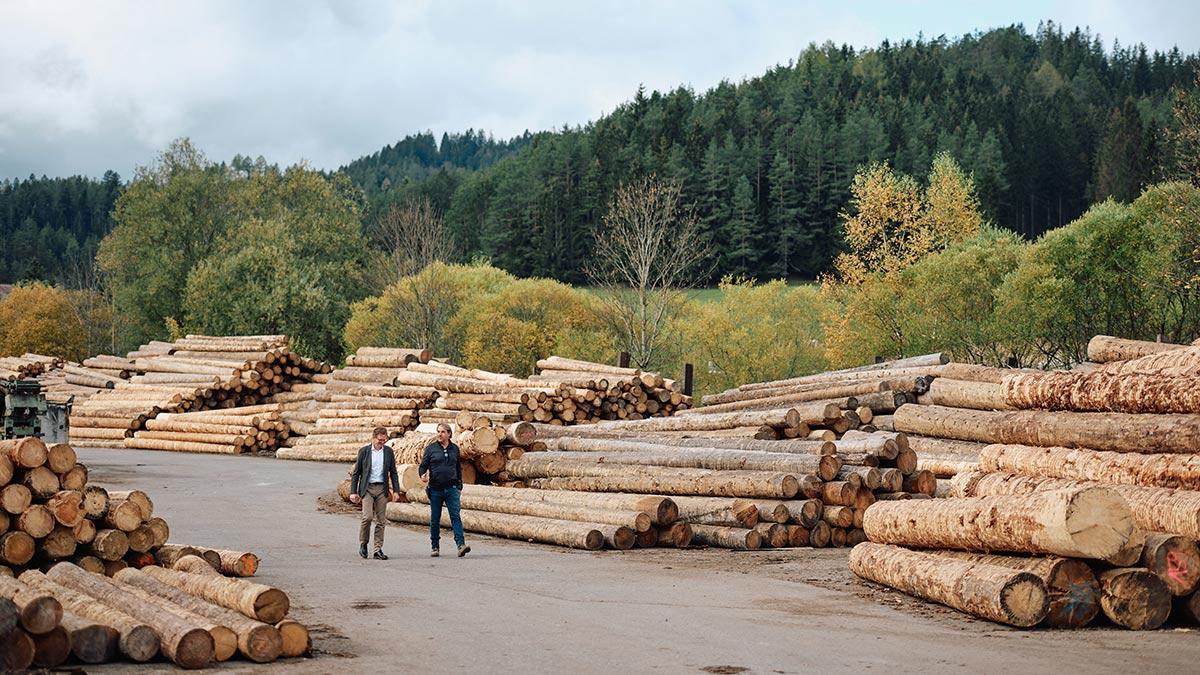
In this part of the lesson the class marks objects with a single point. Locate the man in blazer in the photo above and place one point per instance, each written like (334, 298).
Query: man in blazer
(375, 466)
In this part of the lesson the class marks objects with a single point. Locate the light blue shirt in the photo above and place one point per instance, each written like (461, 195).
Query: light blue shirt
(376, 473)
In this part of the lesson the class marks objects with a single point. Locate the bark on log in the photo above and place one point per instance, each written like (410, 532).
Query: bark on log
(1104, 392)
(1088, 522)
(183, 641)
(1074, 593)
(1153, 509)
(1152, 470)
(1134, 598)
(805, 512)
(237, 563)
(588, 536)
(964, 394)
(508, 500)
(256, 601)
(1000, 594)
(772, 535)
(1104, 348)
(717, 511)
(1099, 431)
(656, 480)
(91, 642)
(824, 467)
(207, 563)
(779, 417)
(737, 538)
(139, 642)
(52, 648)
(663, 511)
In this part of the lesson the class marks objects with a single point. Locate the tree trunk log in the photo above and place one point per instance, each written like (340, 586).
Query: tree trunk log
(573, 534)
(656, 480)
(38, 611)
(663, 511)
(256, 601)
(824, 467)
(16, 548)
(1153, 509)
(1099, 431)
(15, 498)
(965, 394)
(1087, 522)
(1134, 598)
(183, 641)
(1151, 470)
(741, 513)
(1071, 585)
(738, 538)
(24, 453)
(91, 642)
(1175, 559)
(1104, 349)
(1104, 392)
(996, 593)
(138, 641)
(295, 637)
(508, 500)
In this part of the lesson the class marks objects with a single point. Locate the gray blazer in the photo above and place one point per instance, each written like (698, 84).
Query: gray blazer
(362, 470)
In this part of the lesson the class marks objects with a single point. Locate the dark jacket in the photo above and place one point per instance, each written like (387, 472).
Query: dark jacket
(442, 465)
(362, 470)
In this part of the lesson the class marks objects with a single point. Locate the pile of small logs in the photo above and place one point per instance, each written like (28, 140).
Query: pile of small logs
(190, 614)
(49, 512)
(331, 423)
(195, 374)
(1104, 459)
(254, 428)
(604, 392)
(27, 365)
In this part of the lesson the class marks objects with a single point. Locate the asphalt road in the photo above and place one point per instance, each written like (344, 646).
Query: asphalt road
(517, 607)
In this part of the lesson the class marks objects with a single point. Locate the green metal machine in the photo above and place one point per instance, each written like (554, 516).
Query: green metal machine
(25, 412)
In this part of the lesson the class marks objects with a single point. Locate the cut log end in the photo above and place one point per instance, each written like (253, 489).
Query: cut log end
(1024, 600)
(1134, 598)
(262, 644)
(272, 605)
(295, 639)
(1092, 526)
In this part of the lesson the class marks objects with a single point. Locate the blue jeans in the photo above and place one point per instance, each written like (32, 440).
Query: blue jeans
(449, 496)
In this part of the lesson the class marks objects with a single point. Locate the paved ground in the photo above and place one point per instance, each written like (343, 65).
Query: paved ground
(516, 607)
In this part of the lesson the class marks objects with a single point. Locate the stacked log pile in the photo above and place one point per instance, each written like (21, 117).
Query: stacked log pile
(27, 366)
(332, 422)
(194, 375)
(591, 392)
(1039, 460)
(77, 382)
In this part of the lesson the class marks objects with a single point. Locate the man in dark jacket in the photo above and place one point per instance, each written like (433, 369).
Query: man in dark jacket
(375, 466)
(442, 474)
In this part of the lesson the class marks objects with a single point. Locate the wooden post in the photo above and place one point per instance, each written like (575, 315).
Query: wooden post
(623, 360)
(687, 379)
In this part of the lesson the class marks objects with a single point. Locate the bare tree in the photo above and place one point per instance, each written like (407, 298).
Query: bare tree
(648, 250)
(412, 235)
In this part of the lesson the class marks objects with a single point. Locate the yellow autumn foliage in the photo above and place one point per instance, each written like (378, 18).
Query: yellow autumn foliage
(41, 319)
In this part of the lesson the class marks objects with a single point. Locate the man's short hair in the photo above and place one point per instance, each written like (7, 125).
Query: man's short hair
(379, 430)
(443, 425)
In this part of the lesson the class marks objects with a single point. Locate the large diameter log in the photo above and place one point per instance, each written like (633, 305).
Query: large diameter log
(42, 482)
(663, 511)
(1134, 598)
(964, 394)
(67, 507)
(36, 521)
(52, 648)
(1074, 593)
(717, 511)
(138, 641)
(257, 641)
(295, 637)
(805, 512)
(509, 500)
(25, 453)
(997, 593)
(38, 612)
(256, 601)
(1104, 348)
(1154, 509)
(124, 515)
(1120, 432)
(737, 538)
(657, 480)
(1103, 391)
(184, 642)
(91, 642)
(20, 653)
(1089, 522)
(223, 637)
(825, 467)
(15, 498)
(1175, 559)
(95, 502)
(60, 458)
(572, 534)
(1154, 470)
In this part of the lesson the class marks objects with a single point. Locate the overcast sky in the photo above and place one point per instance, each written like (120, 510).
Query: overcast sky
(89, 86)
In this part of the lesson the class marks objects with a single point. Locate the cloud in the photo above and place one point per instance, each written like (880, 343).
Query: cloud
(88, 86)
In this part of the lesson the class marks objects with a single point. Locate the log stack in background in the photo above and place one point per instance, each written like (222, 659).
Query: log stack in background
(27, 366)
(1126, 425)
(192, 375)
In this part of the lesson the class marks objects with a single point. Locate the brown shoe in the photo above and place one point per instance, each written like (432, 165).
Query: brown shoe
(434, 553)
(463, 550)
